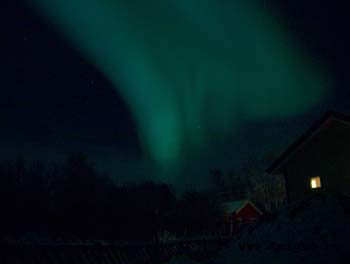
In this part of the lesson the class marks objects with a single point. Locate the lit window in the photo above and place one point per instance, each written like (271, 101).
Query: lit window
(315, 182)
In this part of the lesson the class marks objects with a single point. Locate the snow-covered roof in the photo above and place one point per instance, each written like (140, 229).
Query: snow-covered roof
(236, 206)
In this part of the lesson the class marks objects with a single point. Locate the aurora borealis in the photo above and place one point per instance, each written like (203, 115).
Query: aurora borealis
(188, 70)
(191, 72)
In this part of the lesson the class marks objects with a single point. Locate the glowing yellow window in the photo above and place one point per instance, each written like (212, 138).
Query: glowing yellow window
(315, 182)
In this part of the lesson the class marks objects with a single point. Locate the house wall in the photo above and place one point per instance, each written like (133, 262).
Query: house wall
(247, 212)
(327, 155)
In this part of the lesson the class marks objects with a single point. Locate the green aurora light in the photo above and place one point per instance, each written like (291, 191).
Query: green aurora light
(189, 70)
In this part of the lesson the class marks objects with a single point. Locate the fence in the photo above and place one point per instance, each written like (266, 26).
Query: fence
(108, 253)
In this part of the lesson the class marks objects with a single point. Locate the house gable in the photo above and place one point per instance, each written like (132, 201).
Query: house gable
(329, 120)
(249, 211)
(240, 205)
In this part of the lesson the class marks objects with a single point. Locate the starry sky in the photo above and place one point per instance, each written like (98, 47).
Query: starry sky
(167, 90)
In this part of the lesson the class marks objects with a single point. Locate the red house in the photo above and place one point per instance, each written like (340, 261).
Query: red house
(239, 213)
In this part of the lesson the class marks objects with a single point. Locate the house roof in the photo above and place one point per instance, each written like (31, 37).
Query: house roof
(292, 149)
(236, 206)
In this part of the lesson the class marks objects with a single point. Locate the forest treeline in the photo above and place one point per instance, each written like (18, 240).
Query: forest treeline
(72, 200)
(251, 182)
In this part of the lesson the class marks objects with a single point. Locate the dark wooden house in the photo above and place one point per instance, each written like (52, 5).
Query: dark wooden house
(240, 213)
(319, 160)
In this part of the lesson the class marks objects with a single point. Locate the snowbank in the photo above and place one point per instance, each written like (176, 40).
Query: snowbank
(313, 231)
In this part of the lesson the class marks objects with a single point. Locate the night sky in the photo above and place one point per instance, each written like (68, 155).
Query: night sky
(166, 90)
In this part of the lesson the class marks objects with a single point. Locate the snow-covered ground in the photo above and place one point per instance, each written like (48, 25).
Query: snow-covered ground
(316, 230)
(182, 260)
(313, 231)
